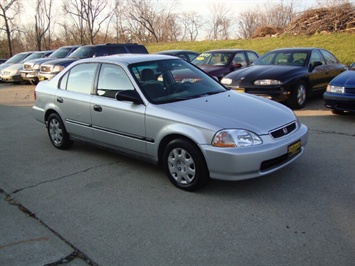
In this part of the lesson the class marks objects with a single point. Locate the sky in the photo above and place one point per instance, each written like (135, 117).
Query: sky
(237, 6)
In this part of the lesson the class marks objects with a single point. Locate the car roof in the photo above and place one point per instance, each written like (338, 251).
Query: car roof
(227, 50)
(175, 51)
(295, 49)
(128, 58)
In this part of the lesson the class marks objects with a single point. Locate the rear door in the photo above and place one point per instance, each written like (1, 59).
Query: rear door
(73, 99)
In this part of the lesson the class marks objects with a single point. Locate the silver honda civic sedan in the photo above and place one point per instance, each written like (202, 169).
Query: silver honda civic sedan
(166, 110)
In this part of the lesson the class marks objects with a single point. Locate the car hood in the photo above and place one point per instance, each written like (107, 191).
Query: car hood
(213, 70)
(62, 61)
(14, 67)
(345, 79)
(266, 72)
(229, 110)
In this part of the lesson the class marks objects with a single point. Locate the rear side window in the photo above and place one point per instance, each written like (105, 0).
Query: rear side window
(252, 57)
(116, 49)
(79, 79)
(137, 49)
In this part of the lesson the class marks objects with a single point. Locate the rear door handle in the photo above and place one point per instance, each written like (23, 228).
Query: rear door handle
(97, 108)
(60, 100)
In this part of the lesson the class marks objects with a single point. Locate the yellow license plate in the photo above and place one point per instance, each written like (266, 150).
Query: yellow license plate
(240, 90)
(294, 148)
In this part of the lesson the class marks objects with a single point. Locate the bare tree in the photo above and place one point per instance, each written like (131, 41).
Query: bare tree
(88, 16)
(248, 23)
(274, 15)
(192, 23)
(220, 22)
(9, 10)
(43, 17)
(152, 23)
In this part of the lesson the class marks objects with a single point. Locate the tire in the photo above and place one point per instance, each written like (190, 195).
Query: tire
(57, 132)
(185, 165)
(337, 112)
(298, 96)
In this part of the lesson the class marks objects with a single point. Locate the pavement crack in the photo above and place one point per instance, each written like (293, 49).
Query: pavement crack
(333, 132)
(62, 177)
(74, 255)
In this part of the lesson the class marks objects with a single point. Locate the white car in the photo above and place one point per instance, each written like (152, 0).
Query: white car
(166, 110)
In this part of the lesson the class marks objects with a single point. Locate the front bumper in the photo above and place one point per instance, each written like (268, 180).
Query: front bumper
(46, 76)
(278, 93)
(250, 162)
(29, 75)
(338, 101)
(11, 78)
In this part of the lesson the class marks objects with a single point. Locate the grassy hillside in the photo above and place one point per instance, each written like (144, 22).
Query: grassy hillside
(342, 45)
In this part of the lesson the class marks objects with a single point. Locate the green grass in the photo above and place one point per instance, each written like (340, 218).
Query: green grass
(342, 45)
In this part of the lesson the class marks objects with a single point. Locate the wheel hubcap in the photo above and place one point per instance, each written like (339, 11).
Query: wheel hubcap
(301, 95)
(55, 131)
(181, 166)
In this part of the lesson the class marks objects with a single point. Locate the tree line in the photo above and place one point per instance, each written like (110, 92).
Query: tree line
(53, 24)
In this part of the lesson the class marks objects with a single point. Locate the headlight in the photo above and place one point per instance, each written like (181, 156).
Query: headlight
(335, 89)
(265, 82)
(226, 81)
(36, 66)
(235, 138)
(58, 68)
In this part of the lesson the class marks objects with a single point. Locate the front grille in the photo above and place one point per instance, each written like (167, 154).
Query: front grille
(283, 131)
(265, 165)
(350, 90)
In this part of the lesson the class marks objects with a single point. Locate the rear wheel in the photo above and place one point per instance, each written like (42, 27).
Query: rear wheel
(57, 132)
(337, 112)
(184, 165)
(297, 99)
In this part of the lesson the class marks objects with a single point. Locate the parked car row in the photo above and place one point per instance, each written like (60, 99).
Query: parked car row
(52, 62)
(288, 75)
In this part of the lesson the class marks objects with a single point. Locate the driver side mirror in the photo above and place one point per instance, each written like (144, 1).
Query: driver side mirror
(129, 95)
(314, 65)
(237, 65)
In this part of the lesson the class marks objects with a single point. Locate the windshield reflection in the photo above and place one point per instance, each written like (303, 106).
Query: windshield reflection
(173, 80)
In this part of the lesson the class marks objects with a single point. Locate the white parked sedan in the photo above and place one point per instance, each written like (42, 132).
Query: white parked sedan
(168, 111)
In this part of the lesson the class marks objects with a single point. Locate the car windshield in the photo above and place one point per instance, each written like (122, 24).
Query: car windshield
(213, 59)
(16, 58)
(173, 80)
(33, 56)
(283, 58)
(83, 52)
(60, 53)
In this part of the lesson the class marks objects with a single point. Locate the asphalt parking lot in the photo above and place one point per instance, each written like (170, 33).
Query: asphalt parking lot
(89, 206)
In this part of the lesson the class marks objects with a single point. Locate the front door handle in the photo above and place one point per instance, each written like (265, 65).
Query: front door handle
(97, 108)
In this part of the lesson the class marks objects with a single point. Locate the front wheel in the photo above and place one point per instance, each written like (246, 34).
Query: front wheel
(57, 132)
(298, 96)
(184, 165)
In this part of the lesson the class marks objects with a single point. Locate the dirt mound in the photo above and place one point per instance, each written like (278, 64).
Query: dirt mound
(340, 18)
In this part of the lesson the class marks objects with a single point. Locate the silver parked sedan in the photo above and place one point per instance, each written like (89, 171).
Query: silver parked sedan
(168, 111)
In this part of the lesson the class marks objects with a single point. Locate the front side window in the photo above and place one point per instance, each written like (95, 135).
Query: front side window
(79, 78)
(112, 79)
(329, 58)
(316, 57)
(239, 60)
